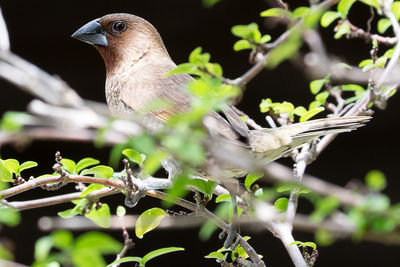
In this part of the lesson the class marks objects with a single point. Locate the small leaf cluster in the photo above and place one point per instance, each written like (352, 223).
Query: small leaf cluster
(355, 91)
(304, 244)
(278, 108)
(61, 248)
(99, 171)
(96, 212)
(99, 214)
(10, 167)
(343, 9)
(380, 62)
(199, 64)
(221, 255)
(285, 189)
(251, 37)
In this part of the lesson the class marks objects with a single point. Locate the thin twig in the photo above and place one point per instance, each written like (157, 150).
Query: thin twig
(357, 32)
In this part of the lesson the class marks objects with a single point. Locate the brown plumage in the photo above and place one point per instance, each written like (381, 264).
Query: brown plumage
(136, 61)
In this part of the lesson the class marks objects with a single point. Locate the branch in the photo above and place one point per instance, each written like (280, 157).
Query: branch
(4, 39)
(396, 54)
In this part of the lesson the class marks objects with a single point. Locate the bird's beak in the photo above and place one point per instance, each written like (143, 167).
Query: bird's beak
(91, 33)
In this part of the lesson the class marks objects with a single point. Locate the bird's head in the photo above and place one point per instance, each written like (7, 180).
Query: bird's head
(121, 38)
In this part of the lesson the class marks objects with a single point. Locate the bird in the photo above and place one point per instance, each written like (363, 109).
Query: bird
(136, 61)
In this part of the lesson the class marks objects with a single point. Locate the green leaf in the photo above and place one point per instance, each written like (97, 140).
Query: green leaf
(159, 252)
(9, 216)
(12, 165)
(353, 87)
(206, 230)
(42, 248)
(5, 254)
(285, 50)
(375, 180)
(323, 237)
(214, 68)
(382, 224)
(396, 9)
(249, 32)
(343, 29)
(134, 156)
(296, 243)
(250, 179)
(316, 85)
(284, 107)
(210, 3)
(215, 255)
(69, 165)
(381, 62)
(265, 39)
(373, 3)
(314, 105)
(100, 171)
(99, 242)
(299, 111)
(79, 206)
(149, 220)
(389, 53)
(311, 244)
(365, 62)
(121, 211)
(143, 144)
(196, 57)
(329, 17)
(13, 121)
(223, 198)
(321, 97)
(301, 11)
(125, 259)
(281, 203)
(275, 12)
(383, 25)
(87, 257)
(241, 45)
(311, 113)
(27, 165)
(153, 162)
(62, 239)
(91, 188)
(183, 68)
(324, 207)
(344, 7)
(343, 65)
(101, 216)
(5, 174)
(84, 163)
(206, 187)
(68, 213)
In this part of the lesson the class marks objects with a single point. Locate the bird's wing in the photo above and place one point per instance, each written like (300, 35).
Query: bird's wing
(166, 96)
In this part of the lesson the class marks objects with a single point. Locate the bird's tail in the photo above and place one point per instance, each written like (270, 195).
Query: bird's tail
(274, 143)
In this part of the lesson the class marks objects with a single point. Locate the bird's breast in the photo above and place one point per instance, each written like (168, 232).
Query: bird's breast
(114, 88)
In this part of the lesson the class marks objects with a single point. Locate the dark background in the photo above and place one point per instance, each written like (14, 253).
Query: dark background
(40, 32)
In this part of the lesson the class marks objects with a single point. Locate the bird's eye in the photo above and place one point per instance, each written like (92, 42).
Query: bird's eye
(119, 26)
